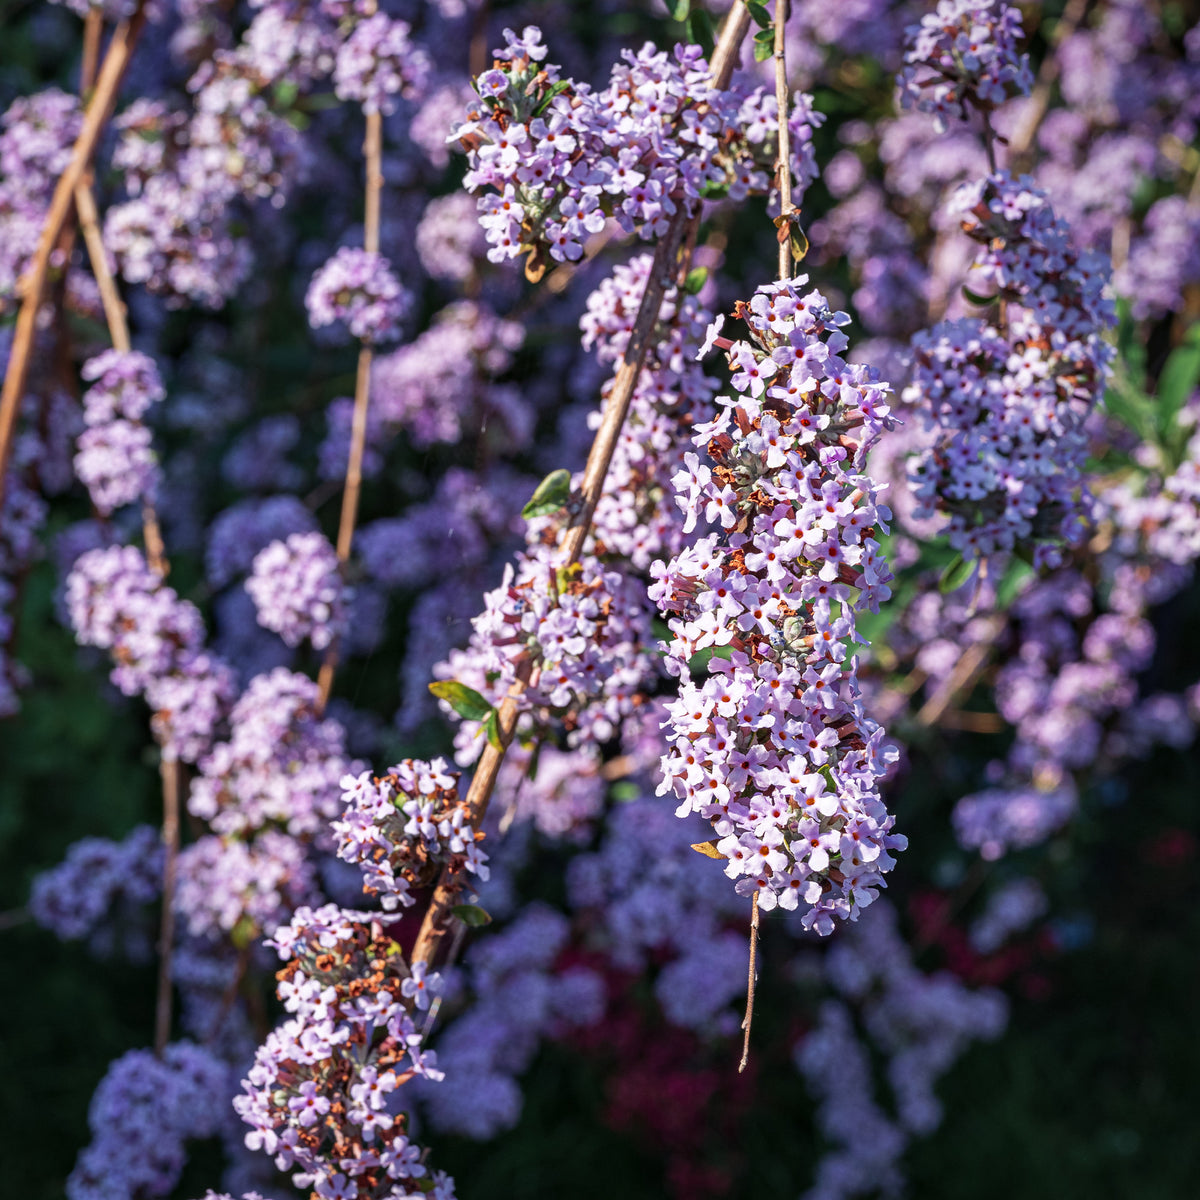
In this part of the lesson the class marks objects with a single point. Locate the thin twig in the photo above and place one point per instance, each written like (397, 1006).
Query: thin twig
(352, 489)
(93, 26)
(116, 60)
(751, 984)
(783, 179)
(662, 273)
(110, 299)
(171, 771)
(965, 672)
(783, 158)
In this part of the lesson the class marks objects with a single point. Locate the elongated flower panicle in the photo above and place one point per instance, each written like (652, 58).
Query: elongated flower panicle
(773, 746)
(405, 827)
(317, 1097)
(1008, 402)
(561, 158)
(964, 56)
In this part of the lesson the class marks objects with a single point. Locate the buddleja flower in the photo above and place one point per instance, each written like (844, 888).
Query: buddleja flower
(358, 288)
(773, 747)
(575, 635)
(964, 56)
(405, 827)
(561, 157)
(378, 61)
(317, 1097)
(297, 589)
(1008, 402)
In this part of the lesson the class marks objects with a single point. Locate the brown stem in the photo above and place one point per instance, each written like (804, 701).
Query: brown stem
(110, 298)
(751, 984)
(436, 921)
(171, 774)
(116, 60)
(965, 672)
(93, 26)
(783, 159)
(352, 489)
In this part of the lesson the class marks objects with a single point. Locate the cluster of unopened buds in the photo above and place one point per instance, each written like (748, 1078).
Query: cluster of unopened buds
(560, 159)
(1007, 402)
(773, 747)
(318, 1096)
(405, 828)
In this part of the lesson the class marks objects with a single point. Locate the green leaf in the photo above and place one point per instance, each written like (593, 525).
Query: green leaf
(1178, 380)
(472, 915)
(714, 191)
(626, 791)
(701, 32)
(695, 280)
(976, 299)
(554, 90)
(1010, 584)
(286, 93)
(758, 12)
(679, 9)
(550, 495)
(764, 45)
(956, 574)
(465, 701)
(491, 729)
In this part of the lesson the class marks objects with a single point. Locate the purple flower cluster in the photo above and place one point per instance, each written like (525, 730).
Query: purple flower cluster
(560, 158)
(36, 136)
(227, 887)
(774, 746)
(963, 56)
(280, 766)
(156, 641)
(1007, 403)
(359, 289)
(116, 461)
(140, 1116)
(442, 383)
(405, 828)
(297, 589)
(317, 1098)
(99, 883)
(578, 636)
(1010, 909)
(378, 61)
(1001, 819)
(240, 532)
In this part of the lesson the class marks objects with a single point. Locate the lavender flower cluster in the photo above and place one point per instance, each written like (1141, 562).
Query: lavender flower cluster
(317, 1097)
(561, 158)
(1007, 403)
(774, 746)
(405, 828)
(964, 56)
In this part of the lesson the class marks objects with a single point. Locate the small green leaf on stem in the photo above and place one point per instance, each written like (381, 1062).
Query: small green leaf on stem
(491, 729)
(978, 300)
(758, 13)
(472, 915)
(764, 45)
(555, 89)
(679, 9)
(550, 495)
(788, 225)
(956, 574)
(465, 701)
(695, 280)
